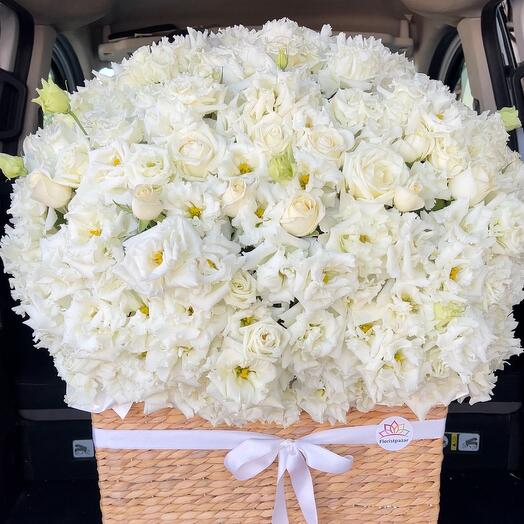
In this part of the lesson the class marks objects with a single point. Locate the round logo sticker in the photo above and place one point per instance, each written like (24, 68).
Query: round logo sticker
(394, 433)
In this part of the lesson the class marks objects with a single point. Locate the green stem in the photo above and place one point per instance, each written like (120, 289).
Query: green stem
(75, 118)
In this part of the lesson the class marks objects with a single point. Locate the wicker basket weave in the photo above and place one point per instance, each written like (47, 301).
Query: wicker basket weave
(156, 486)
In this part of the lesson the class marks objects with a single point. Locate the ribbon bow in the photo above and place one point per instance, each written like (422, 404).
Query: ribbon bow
(254, 455)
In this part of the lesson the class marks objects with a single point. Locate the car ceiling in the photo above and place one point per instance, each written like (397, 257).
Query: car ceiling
(347, 15)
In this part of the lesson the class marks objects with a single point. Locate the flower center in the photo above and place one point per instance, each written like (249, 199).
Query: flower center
(95, 232)
(453, 274)
(304, 180)
(247, 321)
(366, 327)
(244, 168)
(260, 211)
(158, 257)
(116, 161)
(399, 357)
(144, 309)
(242, 373)
(363, 238)
(194, 211)
(211, 264)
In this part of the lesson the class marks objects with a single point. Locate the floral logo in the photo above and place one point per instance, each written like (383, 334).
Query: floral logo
(394, 433)
(394, 429)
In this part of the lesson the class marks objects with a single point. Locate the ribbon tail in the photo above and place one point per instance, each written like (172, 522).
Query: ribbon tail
(280, 507)
(302, 483)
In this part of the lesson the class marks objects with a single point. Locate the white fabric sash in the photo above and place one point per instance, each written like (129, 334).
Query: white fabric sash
(251, 453)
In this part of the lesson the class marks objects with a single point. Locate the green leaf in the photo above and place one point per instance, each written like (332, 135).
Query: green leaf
(440, 204)
(143, 225)
(60, 219)
(123, 207)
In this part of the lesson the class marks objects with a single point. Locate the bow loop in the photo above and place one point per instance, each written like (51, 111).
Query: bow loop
(251, 457)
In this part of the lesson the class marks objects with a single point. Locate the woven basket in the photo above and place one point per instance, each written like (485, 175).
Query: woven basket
(156, 486)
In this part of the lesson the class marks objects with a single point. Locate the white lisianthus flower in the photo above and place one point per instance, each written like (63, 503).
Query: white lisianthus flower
(313, 336)
(148, 165)
(373, 172)
(302, 214)
(240, 379)
(72, 165)
(146, 203)
(168, 247)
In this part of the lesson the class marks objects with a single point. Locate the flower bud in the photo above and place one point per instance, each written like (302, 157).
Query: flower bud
(407, 200)
(146, 203)
(510, 118)
(473, 184)
(281, 168)
(282, 59)
(47, 191)
(234, 197)
(413, 147)
(302, 214)
(51, 98)
(12, 166)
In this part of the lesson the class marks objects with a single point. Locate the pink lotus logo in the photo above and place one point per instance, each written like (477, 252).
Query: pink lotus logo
(394, 430)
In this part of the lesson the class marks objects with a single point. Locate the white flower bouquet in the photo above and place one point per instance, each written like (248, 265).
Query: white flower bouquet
(250, 224)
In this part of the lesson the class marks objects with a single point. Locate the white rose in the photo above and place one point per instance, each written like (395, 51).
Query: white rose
(407, 199)
(302, 214)
(235, 196)
(272, 134)
(472, 184)
(242, 290)
(197, 151)
(47, 191)
(265, 339)
(146, 204)
(413, 147)
(372, 172)
(329, 142)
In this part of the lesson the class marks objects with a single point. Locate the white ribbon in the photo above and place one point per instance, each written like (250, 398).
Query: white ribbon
(251, 453)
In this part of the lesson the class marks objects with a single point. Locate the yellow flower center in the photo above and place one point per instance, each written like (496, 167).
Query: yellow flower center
(211, 264)
(304, 180)
(366, 327)
(399, 357)
(95, 232)
(326, 278)
(116, 161)
(247, 321)
(190, 310)
(144, 310)
(453, 274)
(363, 238)
(142, 355)
(440, 116)
(242, 373)
(194, 211)
(244, 168)
(157, 257)
(260, 211)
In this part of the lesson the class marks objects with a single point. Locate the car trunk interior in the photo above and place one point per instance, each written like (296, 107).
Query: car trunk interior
(46, 477)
